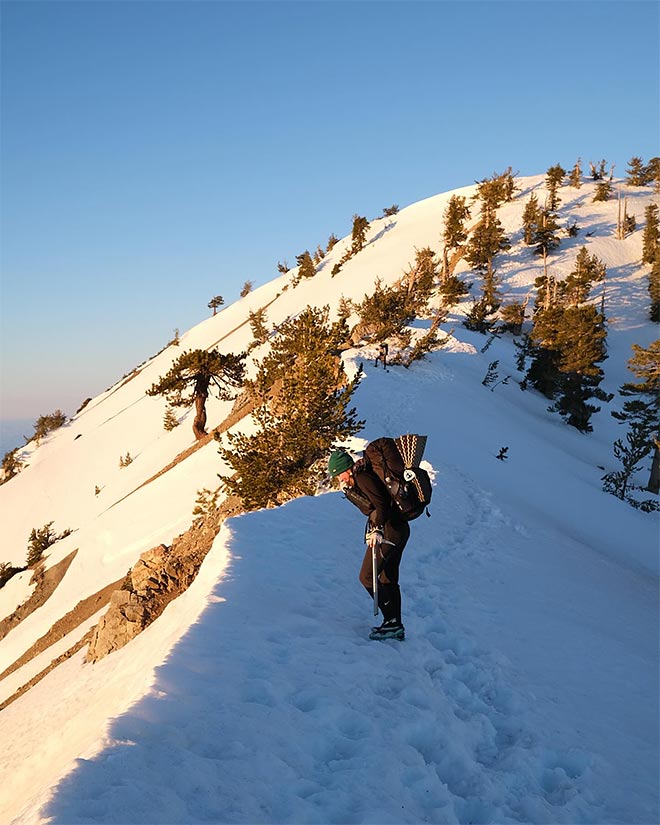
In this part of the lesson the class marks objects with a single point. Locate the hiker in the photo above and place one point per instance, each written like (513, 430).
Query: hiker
(382, 355)
(387, 530)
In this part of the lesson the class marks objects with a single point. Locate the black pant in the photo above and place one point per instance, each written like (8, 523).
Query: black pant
(389, 559)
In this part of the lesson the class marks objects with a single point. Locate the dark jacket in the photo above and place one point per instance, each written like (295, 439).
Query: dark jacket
(371, 497)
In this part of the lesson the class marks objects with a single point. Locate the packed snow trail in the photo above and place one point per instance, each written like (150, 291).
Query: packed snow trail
(276, 708)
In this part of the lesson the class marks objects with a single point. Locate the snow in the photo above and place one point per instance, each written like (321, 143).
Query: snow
(527, 687)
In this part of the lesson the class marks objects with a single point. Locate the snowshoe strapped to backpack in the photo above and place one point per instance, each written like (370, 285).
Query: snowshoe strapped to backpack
(396, 463)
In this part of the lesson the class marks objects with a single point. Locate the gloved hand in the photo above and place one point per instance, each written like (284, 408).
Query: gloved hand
(374, 537)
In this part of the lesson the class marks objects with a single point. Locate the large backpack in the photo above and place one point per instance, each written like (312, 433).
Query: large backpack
(396, 463)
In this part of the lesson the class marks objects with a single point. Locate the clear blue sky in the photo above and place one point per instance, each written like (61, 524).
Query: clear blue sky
(157, 154)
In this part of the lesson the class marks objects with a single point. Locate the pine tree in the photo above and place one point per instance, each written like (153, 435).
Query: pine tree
(597, 170)
(496, 190)
(530, 217)
(554, 176)
(387, 311)
(332, 241)
(11, 465)
(651, 238)
(654, 287)
(258, 326)
(636, 172)
(303, 412)
(652, 173)
(603, 191)
(543, 372)
(575, 178)
(247, 289)
(642, 414)
(306, 268)
(216, 302)
(170, 421)
(282, 267)
(546, 237)
(487, 239)
(390, 211)
(456, 213)
(46, 424)
(581, 344)
(40, 540)
(588, 270)
(344, 309)
(513, 316)
(421, 278)
(477, 317)
(194, 375)
(360, 227)
(645, 365)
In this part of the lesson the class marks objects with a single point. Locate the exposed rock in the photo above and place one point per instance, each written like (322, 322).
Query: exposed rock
(158, 577)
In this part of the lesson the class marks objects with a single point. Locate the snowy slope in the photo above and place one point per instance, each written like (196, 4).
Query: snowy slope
(527, 688)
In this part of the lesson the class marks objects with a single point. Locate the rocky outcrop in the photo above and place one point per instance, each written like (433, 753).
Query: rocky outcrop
(158, 577)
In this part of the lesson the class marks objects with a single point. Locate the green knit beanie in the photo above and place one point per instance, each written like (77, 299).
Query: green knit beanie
(339, 462)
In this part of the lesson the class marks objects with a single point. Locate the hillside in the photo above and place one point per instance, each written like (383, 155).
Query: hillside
(527, 688)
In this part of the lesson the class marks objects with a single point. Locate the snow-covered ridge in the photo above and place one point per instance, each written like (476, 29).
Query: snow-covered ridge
(508, 588)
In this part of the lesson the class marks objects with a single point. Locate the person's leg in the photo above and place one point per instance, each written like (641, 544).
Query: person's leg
(389, 592)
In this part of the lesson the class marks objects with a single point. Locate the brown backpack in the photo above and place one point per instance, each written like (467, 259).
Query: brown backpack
(396, 463)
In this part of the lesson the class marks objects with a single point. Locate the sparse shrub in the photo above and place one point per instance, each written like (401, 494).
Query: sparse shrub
(40, 540)
(170, 421)
(11, 465)
(247, 289)
(45, 424)
(258, 326)
(124, 461)
(389, 211)
(206, 503)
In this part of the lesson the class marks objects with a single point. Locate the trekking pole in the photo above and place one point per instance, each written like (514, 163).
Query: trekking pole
(374, 575)
(374, 571)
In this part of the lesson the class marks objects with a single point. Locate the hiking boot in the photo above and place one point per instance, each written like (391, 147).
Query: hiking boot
(389, 630)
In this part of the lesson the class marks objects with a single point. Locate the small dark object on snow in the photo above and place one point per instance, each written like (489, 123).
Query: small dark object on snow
(502, 455)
